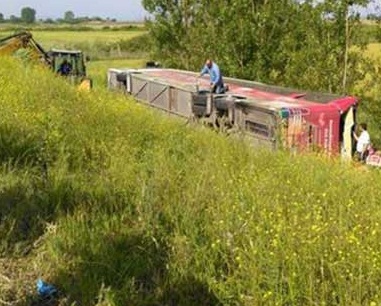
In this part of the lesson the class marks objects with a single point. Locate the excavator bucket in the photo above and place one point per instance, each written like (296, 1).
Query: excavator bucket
(85, 85)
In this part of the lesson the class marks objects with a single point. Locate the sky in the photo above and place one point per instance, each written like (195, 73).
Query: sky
(126, 10)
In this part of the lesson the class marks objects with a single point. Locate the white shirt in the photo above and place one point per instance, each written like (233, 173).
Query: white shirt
(362, 141)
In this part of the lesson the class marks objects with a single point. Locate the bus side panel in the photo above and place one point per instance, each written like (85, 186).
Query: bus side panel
(260, 125)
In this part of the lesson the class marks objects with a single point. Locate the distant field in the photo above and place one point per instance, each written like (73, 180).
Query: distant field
(50, 39)
(97, 70)
(98, 44)
(97, 66)
(96, 25)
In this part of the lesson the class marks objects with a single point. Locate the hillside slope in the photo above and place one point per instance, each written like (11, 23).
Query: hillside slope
(116, 204)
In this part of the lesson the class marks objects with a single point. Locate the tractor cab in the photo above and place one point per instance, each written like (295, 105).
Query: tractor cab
(70, 64)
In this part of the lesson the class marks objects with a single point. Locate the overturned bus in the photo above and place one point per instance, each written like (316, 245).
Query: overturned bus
(270, 116)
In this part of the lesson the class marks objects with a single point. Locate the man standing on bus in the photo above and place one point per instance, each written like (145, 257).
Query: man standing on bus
(216, 82)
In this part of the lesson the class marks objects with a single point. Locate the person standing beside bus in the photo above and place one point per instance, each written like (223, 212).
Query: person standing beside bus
(363, 142)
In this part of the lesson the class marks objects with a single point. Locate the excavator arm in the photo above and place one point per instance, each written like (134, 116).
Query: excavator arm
(24, 40)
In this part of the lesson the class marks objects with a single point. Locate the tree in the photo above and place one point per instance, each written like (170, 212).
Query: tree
(373, 17)
(69, 16)
(48, 21)
(14, 19)
(1, 17)
(305, 44)
(28, 15)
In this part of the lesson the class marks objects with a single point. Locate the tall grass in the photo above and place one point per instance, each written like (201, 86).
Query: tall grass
(374, 51)
(120, 205)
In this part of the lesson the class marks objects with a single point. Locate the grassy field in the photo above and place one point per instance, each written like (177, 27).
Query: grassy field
(98, 44)
(91, 25)
(65, 39)
(116, 204)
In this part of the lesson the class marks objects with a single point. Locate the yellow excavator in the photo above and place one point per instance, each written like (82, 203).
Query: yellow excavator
(69, 63)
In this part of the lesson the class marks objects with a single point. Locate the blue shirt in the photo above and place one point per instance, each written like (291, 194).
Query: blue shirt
(214, 72)
(65, 69)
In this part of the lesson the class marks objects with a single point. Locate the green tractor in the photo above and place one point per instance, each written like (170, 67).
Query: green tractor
(71, 64)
